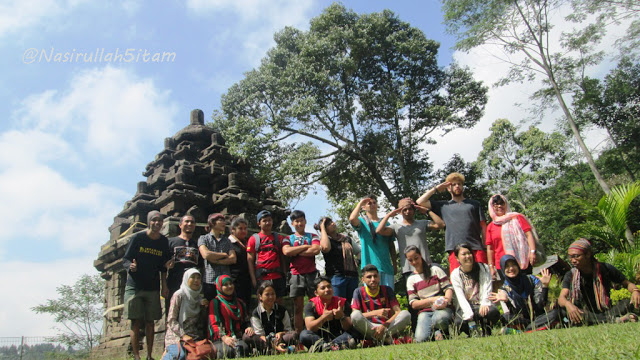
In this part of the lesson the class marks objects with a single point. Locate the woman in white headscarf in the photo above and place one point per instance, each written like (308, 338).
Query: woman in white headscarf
(187, 315)
(509, 233)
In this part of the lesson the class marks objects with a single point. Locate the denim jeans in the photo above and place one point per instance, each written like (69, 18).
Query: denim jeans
(344, 286)
(308, 338)
(428, 320)
(387, 279)
(173, 351)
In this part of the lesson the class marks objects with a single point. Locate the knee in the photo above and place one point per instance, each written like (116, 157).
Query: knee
(356, 316)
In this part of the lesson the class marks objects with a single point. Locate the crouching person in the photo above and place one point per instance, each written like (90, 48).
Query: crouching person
(230, 328)
(375, 311)
(325, 321)
(585, 295)
(187, 313)
(472, 284)
(271, 322)
(431, 294)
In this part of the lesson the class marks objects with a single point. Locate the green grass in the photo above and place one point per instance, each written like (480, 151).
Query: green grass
(611, 341)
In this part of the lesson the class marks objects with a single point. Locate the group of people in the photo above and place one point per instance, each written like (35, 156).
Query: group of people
(489, 270)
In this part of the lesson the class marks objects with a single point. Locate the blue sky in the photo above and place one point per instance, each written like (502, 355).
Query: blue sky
(76, 136)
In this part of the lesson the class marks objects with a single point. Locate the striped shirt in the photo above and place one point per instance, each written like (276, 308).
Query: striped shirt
(419, 288)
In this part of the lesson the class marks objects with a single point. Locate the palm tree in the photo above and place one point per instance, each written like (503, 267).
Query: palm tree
(614, 208)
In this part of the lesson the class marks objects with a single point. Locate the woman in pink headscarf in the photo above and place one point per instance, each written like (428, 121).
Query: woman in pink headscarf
(509, 233)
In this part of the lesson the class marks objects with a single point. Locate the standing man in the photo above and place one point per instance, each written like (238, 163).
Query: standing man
(301, 247)
(146, 261)
(184, 251)
(410, 231)
(217, 253)
(377, 249)
(264, 256)
(464, 219)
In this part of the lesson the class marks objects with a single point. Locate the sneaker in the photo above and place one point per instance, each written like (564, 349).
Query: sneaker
(438, 336)
(352, 344)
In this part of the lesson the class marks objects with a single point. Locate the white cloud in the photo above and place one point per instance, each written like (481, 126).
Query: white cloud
(110, 111)
(262, 17)
(33, 283)
(105, 116)
(55, 210)
(18, 15)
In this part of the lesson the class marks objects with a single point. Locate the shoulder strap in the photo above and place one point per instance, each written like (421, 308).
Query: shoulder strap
(256, 237)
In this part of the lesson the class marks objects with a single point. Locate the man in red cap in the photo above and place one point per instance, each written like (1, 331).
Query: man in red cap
(215, 248)
(585, 295)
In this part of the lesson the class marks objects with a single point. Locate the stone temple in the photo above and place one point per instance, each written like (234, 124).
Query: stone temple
(194, 174)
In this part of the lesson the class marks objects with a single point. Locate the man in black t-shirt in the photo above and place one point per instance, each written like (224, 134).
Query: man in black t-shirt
(585, 294)
(184, 251)
(146, 262)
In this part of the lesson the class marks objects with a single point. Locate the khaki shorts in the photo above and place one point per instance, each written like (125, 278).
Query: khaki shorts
(301, 284)
(142, 304)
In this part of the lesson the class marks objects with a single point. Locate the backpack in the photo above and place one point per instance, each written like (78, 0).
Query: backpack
(261, 272)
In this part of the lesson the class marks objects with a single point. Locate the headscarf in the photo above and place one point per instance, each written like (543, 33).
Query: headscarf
(232, 309)
(514, 240)
(519, 287)
(190, 305)
(575, 294)
(336, 302)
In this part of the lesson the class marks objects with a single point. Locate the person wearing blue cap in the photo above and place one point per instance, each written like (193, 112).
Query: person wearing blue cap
(264, 256)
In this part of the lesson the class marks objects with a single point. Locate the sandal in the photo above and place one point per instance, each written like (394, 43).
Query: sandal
(627, 318)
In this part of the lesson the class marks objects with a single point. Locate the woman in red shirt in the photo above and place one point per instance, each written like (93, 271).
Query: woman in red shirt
(509, 233)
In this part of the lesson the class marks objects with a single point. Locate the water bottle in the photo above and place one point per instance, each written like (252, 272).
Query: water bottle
(473, 329)
(439, 301)
(237, 347)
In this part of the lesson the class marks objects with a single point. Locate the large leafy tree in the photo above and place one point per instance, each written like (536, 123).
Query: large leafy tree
(350, 103)
(614, 105)
(517, 163)
(78, 309)
(526, 29)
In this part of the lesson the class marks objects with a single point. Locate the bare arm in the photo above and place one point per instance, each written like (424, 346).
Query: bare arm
(289, 250)
(355, 214)
(483, 225)
(311, 251)
(437, 223)
(210, 256)
(325, 244)
(532, 247)
(424, 199)
(252, 267)
(231, 259)
(635, 293)
(396, 311)
(313, 324)
(574, 313)
(383, 229)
